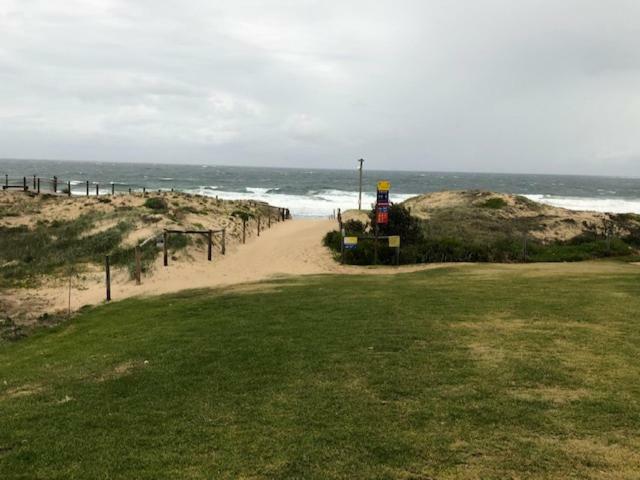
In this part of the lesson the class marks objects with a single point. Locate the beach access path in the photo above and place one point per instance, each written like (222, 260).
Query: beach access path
(290, 248)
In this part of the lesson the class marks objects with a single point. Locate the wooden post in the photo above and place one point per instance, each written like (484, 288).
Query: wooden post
(138, 266)
(144, 190)
(108, 277)
(97, 189)
(341, 248)
(113, 188)
(210, 238)
(6, 180)
(129, 190)
(165, 238)
(38, 184)
(34, 182)
(269, 221)
(224, 241)
(244, 229)
(55, 184)
(24, 183)
(69, 188)
(375, 245)
(87, 188)
(259, 226)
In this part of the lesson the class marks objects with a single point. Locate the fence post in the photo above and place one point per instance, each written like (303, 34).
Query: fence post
(108, 277)
(341, 248)
(38, 184)
(55, 184)
(210, 245)
(259, 226)
(138, 265)
(113, 188)
(165, 238)
(24, 183)
(97, 189)
(6, 180)
(244, 229)
(129, 190)
(269, 221)
(34, 182)
(87, 188)
(144, 190)
(224, 241)
(69, 188)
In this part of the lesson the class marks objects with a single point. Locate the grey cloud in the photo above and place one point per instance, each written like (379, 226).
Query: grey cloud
(483, 85)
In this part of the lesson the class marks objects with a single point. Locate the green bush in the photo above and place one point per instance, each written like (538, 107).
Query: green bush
(155, 203)
(494, 203)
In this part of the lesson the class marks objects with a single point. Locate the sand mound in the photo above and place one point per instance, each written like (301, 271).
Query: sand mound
(513, 212)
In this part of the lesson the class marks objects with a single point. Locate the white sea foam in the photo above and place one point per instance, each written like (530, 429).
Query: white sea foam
(319, 203)
(611, 205)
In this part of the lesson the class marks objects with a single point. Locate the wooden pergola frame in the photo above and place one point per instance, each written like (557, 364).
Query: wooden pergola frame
(208, 233)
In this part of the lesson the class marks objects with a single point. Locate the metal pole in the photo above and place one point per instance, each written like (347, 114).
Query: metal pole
(360, 189)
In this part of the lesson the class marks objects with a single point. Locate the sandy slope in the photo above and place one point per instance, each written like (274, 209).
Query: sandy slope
(290, 248)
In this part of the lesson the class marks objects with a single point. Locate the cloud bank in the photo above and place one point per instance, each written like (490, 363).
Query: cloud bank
(484, 85)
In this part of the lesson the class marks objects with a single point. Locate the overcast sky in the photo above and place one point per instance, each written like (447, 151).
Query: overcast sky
(544, 86)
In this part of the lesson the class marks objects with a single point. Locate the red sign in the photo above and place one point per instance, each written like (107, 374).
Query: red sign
(382, 214)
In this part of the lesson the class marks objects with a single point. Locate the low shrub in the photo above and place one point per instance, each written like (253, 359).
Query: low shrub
(155, 203)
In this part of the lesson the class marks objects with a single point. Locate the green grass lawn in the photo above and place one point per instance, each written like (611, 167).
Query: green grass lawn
(489, 371)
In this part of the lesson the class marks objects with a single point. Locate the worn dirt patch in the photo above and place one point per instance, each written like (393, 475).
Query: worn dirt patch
(21, 391)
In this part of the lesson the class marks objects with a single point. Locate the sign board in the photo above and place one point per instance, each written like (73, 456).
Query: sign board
(383, 197)
(384, 185)
(382, 214)
(350, 242)
(394, 241)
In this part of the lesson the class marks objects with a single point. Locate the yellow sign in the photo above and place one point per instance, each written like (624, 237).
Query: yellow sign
(384, 185)
(350, 240)
(394, 242)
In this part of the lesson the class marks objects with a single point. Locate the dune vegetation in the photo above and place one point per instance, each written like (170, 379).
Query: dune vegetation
(482, 371)
(478, 226)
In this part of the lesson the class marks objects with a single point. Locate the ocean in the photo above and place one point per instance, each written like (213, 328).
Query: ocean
(318, 192)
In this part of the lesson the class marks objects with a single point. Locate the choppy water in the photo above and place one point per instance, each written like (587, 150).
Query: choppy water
(315, 192)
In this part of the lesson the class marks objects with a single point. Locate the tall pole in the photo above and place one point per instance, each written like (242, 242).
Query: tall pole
(360, 189)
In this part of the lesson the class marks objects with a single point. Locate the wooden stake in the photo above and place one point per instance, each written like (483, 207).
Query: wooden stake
(113, 188)
(138, 266)
(165, 238)
(38, 184)
(258, 226)
(224, 241)
(87, 188)
(108, 277)
(55, 184)
(244, 229)
(34, 182)
(210, 244)
(97, 189)
(69, 188)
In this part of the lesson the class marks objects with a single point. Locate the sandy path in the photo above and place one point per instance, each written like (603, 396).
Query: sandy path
(289, 248)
